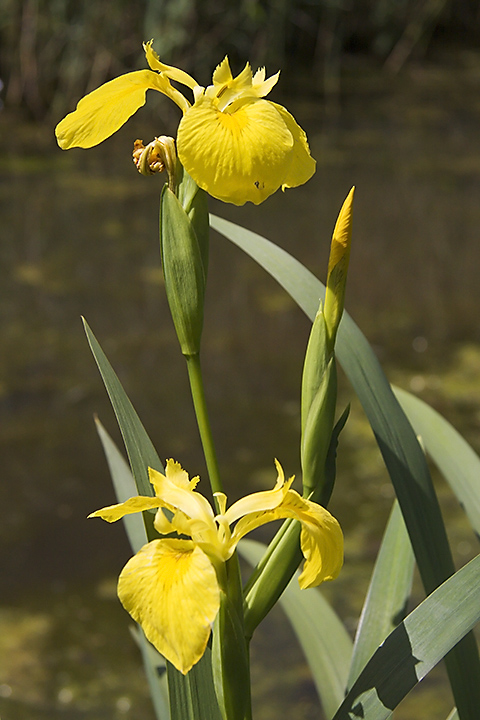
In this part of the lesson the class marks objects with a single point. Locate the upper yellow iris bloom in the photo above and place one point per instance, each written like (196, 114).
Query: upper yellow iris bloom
(234, 144)
(171, 587)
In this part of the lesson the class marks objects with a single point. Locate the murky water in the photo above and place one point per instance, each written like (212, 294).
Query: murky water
(79, 237)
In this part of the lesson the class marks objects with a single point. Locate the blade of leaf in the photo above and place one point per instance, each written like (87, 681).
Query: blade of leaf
(321, 634)
(156, 672)
(193, 693)
(454, 457)
(388, 593)
(397, 442)
(415, 646)
(124, 486)
(192, 696)
(140, 449)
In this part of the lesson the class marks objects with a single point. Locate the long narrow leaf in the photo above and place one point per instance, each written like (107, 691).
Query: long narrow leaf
(156, 672)
(140, 449)
(388, 593)
(402, 454)
(416, 646)
(193, 695)
(124, 486)
(321, 634)
(454, 457)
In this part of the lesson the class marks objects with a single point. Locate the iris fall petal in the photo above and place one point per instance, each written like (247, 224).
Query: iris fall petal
(170, 588)
(238, 156)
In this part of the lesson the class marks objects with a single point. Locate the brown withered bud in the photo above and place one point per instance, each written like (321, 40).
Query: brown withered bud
(155, 157)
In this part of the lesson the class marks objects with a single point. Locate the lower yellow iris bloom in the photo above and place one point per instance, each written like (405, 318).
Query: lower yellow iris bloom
(171, 587)
(237, 146)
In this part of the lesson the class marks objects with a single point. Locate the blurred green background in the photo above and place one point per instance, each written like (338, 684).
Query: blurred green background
(388, 92)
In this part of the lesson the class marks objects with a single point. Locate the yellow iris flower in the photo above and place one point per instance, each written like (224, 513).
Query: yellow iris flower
(171, 587)
(234, 144)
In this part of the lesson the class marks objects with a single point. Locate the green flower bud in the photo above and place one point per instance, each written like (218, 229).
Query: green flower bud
(184, 269)
(319, 397)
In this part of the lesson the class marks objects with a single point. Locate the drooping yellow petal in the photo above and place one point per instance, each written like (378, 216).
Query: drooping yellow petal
(103, 111)
(235, 156)
(170, 588)
(112, 513)
(321, 538)
(172, 72)
(303, 165)
(322, 546)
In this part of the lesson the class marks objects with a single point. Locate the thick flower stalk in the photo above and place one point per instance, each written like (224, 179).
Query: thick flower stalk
(172, 586)
(234, 144)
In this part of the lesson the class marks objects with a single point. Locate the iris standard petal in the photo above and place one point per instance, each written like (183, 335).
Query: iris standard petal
(170, 588)
(261, 86)
(303, 165)
(175, 473)
(235, 156)
(222, 75)
(191, 503)
(112, 513)
(103, 111)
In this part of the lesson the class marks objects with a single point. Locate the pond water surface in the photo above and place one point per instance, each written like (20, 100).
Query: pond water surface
(79, 237)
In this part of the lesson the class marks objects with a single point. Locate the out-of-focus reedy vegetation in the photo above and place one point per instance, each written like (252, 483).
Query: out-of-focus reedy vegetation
(54, 51)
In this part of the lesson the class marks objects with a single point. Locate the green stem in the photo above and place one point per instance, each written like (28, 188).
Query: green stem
(203, 422)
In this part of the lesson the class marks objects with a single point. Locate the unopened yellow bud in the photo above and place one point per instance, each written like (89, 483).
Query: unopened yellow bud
(337, 269)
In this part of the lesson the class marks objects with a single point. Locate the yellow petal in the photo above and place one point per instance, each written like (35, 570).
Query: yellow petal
(162, 524)
(175, 473)
(176, 492)
(172, 72)
(338, 267)
(170, 588)
(260, 501)
(322, 546)
(303, 165)
(321, 538)
(112, 513)
(106, 109)
(261, 86)
(235, 156)
(342, 233)
(222, 75)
